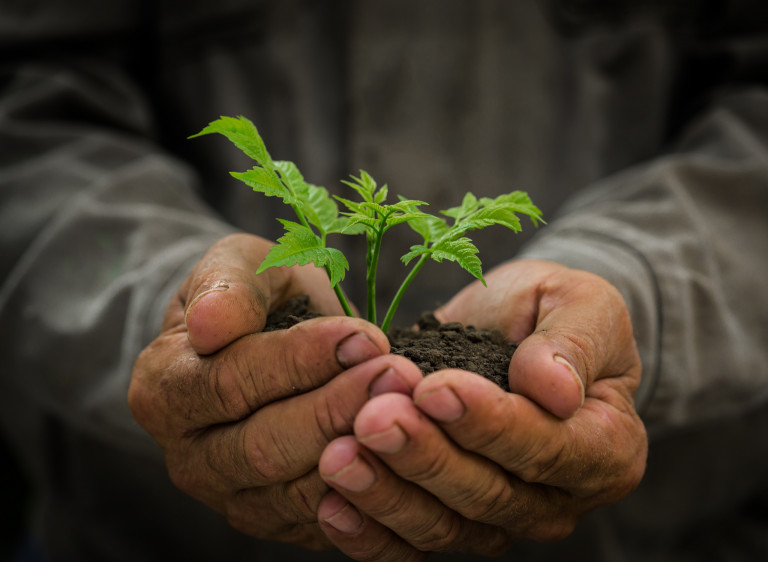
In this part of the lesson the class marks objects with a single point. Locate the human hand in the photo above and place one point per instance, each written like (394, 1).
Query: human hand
(243, 416)
(465, 466)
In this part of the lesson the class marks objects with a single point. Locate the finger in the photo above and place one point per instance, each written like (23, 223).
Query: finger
(406, 508)
(583, 333)
(253, 371)
(472, 485)
(600, 449)
(284, 512)
(284, 440)
(360, 537)
(223, 299)
(572, 326)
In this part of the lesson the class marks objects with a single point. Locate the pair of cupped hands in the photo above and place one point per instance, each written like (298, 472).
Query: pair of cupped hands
(318, 437)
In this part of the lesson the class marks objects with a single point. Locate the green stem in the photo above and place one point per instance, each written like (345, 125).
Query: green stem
(300, 215)
(342, 298)
(373, 264)
(401, 292)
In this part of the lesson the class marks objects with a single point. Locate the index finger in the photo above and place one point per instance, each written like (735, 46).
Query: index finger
(175, 390)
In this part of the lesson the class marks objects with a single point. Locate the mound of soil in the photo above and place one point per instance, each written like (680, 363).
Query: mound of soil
(432, 346)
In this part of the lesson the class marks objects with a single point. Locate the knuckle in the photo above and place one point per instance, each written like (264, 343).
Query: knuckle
(429, 469)
(441, 535)
(487, 504)
(392, 506)
(226, 387)
(303, 497)
(546, 463)
(332, 418)
(262, 465)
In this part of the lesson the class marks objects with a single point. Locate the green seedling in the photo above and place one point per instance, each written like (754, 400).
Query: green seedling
(318, 215)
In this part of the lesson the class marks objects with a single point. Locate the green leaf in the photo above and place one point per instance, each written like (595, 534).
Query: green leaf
(354, 219)
(320, 209)
(468, 205)
(300, 246)
(429, 227)
(417, 250)
(463, 252)
(243, 134)
(353, 206)
(267, 182)
(488, 216)
(292, 178)
(365, 186)
(406, 217)
(343, 225)
(518, 202)
(381, 195)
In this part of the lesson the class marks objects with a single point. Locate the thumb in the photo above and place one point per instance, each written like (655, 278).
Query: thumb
(540, 370)
(223, 298)
(583, 333)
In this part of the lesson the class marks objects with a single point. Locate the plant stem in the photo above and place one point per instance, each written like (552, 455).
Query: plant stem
(401, 292)
(373, 265)
(342, 298)
(300, 215)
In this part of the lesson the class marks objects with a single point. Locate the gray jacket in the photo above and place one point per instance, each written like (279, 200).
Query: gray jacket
(641, 130)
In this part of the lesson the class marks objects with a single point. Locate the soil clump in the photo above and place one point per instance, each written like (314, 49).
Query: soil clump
(432, 345)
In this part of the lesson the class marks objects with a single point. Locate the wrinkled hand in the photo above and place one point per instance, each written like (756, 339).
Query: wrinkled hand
(465, 466)
(243, 416)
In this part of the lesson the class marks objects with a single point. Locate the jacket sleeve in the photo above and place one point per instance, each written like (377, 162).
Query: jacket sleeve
(685, 239)
(99, 226)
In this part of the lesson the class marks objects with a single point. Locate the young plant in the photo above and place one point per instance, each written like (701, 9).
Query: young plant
(318, 215)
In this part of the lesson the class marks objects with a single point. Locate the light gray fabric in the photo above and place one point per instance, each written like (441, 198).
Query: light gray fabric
(106, 206)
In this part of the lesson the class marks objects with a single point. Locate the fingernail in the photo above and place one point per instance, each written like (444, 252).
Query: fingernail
(441, 404)
(357, 476)
(389, 381)
(346, 520)
(356, 349)
(564, 362)
(218, 289)
(388, 441)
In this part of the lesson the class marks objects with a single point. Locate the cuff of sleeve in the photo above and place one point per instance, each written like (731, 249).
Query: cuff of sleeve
(630, 272)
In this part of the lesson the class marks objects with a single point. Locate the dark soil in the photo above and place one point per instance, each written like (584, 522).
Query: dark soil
(432, 346)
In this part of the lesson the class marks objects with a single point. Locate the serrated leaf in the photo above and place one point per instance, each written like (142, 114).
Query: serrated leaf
(417, 250)
(406, 217)
(291, 177)
(320, 209)
(406, 205)
(243, 134)
(463, 252)
(496, 214)
(381, 195)
(365, 186)
(429, 227)
(300, 246)
(353, 206)
(343, 225)
(468, 205)
(267, 182)
(518, 202)
(354, 219)
(372, 208)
